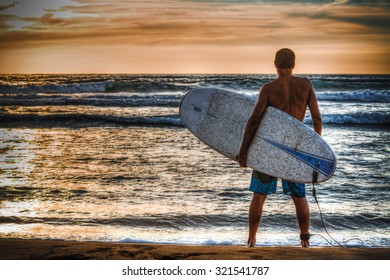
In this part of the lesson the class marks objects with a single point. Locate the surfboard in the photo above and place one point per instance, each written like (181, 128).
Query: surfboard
(282, 147)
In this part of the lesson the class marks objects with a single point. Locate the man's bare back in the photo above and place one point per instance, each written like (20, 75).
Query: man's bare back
(289, 94)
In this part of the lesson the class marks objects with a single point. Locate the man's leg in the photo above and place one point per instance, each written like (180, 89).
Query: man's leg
(303, 216)
(255, 212)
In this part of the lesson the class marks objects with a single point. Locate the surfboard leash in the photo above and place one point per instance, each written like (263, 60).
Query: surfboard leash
(314, 180)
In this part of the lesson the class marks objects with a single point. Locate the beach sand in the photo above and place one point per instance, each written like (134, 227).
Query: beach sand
(32, 249)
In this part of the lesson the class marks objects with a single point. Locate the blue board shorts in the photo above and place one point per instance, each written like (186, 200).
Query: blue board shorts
(264, 184)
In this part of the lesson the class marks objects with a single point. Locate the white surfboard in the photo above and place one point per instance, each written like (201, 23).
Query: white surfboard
(282, 147)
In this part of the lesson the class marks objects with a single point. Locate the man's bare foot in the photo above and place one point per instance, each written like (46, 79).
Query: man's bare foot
(305, 244)
(305, 240)
(251, 242)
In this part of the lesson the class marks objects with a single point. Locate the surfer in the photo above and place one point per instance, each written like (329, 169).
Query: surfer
(292, 95)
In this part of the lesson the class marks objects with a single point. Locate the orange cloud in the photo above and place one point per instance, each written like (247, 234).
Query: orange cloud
(196, 36)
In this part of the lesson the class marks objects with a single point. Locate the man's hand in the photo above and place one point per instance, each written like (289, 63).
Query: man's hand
(241, 158)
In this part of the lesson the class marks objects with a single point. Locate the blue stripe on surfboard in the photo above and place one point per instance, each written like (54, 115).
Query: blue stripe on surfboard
(321, 164)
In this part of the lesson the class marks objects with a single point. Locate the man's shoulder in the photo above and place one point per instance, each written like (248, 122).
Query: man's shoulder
(303, 84)
(303, 80)
(270, 85)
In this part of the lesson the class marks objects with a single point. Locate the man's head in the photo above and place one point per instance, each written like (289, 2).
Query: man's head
(285, 59)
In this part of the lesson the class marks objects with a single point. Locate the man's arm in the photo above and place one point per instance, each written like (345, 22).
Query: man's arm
(315, 111)
(252, 125)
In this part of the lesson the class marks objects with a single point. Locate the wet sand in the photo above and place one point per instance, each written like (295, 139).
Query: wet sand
(26, 249)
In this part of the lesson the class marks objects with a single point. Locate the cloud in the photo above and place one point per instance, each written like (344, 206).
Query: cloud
(368, 2)
(266, 1)
(130, 23)
(178, 23)
(376, 23)
(192, 28)
(5, 7)
(34, 8)
(25, 13)
(370, 19)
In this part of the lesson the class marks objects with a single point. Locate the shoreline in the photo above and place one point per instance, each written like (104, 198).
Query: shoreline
(36, 249)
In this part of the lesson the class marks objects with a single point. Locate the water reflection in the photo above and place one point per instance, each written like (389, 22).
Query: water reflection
(162, 184)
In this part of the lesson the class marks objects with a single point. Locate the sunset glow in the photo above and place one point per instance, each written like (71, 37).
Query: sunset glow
(183, 36)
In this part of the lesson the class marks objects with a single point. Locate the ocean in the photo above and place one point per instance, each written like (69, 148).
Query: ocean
(107, 158)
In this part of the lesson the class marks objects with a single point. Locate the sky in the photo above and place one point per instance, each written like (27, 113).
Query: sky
(193, 36)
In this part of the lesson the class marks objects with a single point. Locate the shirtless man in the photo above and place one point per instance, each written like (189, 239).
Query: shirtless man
(292, 95)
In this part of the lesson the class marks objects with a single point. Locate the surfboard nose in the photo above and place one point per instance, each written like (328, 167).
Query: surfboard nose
(194, 105)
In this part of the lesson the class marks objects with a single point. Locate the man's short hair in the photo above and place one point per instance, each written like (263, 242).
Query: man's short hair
(284, 59)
